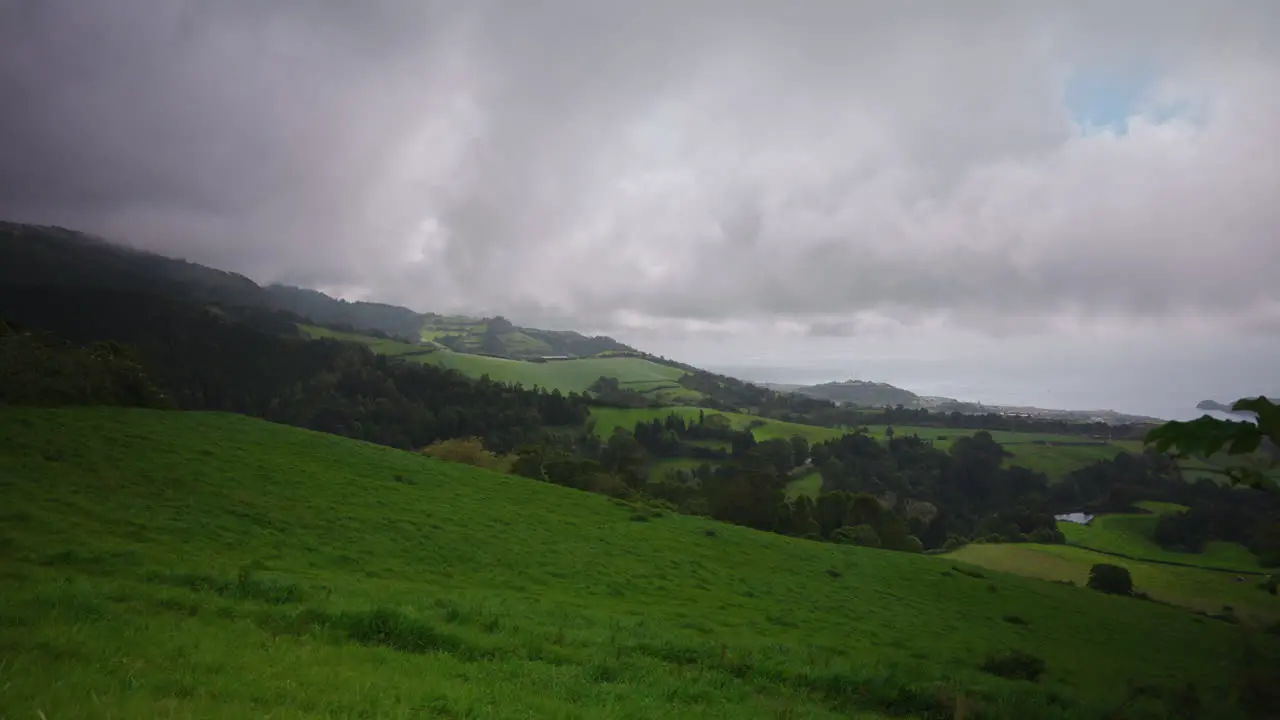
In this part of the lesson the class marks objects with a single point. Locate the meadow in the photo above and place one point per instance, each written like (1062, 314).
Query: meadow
(1132, 534)
(171, 564)
(653, 379)
(1053, 455)
(1190, 587)
(608, 419)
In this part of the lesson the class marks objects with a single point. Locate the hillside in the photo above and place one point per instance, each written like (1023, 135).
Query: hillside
(655, 381)
(48, 256)
(862, 394)
(201, 564)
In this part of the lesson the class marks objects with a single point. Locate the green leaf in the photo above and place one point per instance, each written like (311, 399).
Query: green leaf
(1245, 444)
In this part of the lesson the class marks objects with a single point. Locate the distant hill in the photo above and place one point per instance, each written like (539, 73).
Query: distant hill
(859, 393)
(32, 255)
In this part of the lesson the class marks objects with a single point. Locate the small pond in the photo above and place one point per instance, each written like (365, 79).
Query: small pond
(1078, 518)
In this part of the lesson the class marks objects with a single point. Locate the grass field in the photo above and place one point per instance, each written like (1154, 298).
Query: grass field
(1193, 588)
(661, 467)
(1132, 535)
(808, 483)
(650, 378)
(608, 419)
(207, 565)
(1051, 458)
(378, 345)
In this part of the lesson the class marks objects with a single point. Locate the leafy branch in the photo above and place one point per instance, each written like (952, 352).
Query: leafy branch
(1208, 435)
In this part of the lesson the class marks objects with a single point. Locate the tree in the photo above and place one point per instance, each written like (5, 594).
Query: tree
(1111, 579)
(799, 451)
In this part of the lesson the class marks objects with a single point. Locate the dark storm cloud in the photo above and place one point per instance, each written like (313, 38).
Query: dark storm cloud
(596, 164)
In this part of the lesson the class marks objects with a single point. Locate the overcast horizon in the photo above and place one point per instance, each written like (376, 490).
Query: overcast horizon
(1061, 204)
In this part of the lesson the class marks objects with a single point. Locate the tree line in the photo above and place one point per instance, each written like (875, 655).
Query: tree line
(251, 361)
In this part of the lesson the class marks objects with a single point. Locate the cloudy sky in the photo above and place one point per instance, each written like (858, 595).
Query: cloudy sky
(1063, 203)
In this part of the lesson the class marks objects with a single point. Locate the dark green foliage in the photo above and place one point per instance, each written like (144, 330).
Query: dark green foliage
(1047, 536)
(1208, 435)
(863, 535)
(236, 360)
(1015, 665)
(1014, 619)
(1111, 579)
(968, 572)
(39, 370)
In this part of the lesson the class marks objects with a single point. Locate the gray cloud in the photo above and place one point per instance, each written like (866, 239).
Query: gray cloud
(694, 167)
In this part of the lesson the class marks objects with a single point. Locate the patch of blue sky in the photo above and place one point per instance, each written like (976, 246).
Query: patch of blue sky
(1106, 99)
(1102, 100)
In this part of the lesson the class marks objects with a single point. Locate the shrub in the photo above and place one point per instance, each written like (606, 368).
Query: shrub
(912, 545)
(1270, 584)
(863, 535)
(1047, 536)
(1014, 665)
(469, 451)
(1111, 579)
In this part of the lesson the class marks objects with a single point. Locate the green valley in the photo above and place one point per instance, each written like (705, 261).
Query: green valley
(202, 564)
(228, 500)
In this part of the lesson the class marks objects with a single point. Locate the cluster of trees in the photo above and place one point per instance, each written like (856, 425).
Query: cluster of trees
(38, 369)
(245, 361)
(901, 495)
(729, 394)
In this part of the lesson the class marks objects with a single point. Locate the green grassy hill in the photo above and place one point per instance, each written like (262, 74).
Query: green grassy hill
(576, 375)
(1054, 455)
(207, 565)
(607, 419)
(1194, 588)
(1132, 535)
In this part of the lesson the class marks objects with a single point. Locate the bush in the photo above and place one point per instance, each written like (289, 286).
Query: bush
(1270, 584)
(469, 451)
(863, 535)
(1047, 536)
(1111, 579)
(1014, 665)
(912, 545)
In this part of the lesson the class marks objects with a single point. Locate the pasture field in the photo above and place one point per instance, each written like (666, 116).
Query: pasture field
(1056, 457)
(563, 375)
(660, 467)
(808, 483)
(608, 419)
(1133, 534)
(1053, 460)
(575, 375)
(171, 564)
(378, 345)
(1189, 587)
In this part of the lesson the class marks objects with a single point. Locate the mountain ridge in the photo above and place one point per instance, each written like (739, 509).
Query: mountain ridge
(53, 255)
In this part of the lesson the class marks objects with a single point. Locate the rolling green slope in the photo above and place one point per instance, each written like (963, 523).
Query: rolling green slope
(1054, 455)
(576, 375)
(608, 419)
(1132, 535)
(1190, 587)
(207, 565)
(564, 375)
